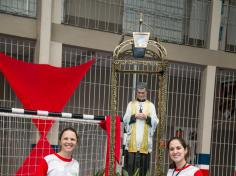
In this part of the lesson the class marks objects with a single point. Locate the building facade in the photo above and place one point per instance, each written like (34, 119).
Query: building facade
(200, 39)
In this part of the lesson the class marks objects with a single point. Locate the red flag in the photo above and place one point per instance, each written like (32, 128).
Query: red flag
(106, 126)
(41, 87)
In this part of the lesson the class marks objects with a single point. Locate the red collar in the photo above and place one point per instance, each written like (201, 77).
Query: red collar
(186, 166)
(62, 158)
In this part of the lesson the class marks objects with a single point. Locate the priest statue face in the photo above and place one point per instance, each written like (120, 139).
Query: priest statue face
(141, 91)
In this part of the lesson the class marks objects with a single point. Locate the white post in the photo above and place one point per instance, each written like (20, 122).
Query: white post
(214, 26)
(205, 120)
(47, 51)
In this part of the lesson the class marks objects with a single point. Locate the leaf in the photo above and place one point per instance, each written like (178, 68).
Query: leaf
(100, 173)
(124, 172)
(136, 173)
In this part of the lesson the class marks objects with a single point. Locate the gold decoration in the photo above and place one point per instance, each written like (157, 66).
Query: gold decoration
(123, 62)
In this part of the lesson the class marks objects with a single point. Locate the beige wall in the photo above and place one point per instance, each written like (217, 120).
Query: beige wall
(18, 26)
(26, 27)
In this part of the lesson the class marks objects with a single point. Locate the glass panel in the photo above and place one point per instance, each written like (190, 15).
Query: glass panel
(19, 7)
(176, 21)
(228, 27)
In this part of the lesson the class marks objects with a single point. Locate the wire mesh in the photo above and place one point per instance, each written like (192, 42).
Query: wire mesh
(21, 49)
(18, 137)
(223, 140)
(182, 106)
(93, 95)
(183, 93)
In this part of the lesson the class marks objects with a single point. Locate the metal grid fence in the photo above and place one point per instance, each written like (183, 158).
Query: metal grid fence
(93, 95)
(228, 27)
(19, 48)
(223, 140)
(183, 96)
(183, 93)
(18, 136)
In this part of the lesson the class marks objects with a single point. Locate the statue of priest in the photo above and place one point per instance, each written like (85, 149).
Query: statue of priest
(140, 121)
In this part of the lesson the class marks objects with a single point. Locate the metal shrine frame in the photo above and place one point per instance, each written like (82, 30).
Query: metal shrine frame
(156, 52)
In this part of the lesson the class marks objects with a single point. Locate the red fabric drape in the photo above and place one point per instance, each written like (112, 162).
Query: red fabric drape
(106, 126)
(41, 87)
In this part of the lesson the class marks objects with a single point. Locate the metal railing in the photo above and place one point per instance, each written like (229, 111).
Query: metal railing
(228, 27)
(223, 140)
(180, 21)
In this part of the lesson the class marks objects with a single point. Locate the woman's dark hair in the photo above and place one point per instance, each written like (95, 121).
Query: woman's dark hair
(68, 129)
(185, 146)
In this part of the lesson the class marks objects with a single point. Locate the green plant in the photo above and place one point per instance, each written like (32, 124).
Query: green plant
(124, 173)
(100, 173)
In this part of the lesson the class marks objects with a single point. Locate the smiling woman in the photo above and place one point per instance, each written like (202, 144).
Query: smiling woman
(61, 163)
(178, 152)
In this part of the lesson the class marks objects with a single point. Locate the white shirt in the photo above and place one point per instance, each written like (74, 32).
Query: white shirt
(55, 165)
(188, 170)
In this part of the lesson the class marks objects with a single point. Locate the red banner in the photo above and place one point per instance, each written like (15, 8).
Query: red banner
(106, 125)
(41, 87)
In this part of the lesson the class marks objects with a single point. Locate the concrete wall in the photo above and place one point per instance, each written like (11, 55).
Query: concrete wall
(25, 27)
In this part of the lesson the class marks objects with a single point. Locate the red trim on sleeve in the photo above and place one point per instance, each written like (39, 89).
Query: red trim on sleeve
(198, 173)
(42, 168)
(205, 172)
